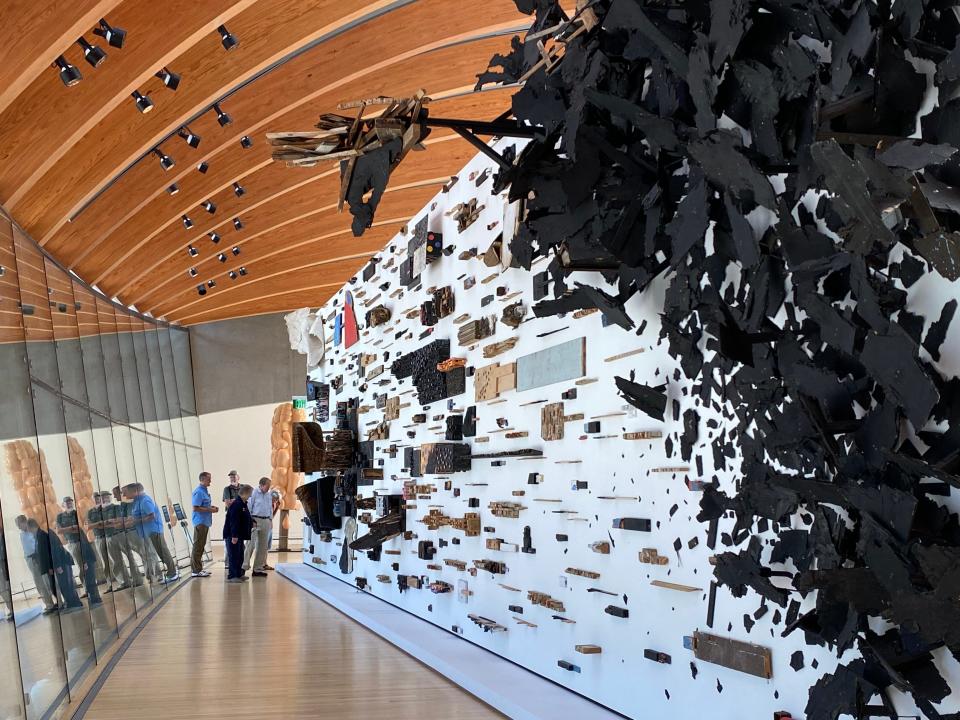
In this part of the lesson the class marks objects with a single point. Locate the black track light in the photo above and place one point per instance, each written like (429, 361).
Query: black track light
(173, 189)
(227, 38)
(238, 189)
(214, 238)
(237, 224)
(113, 35)
(166, 162)
(242, 270)
(144, 103)
(235, 250)
(192, 251)
(203, 167)
(222, 117)
(93, 54)
(211, 283)
(208, 206)
(246, 143)
(169, 78)
(232, 274)
(187, 222)
(201, 290)
(192, 272)
(222, 257)
(192, 140)
(69, 74)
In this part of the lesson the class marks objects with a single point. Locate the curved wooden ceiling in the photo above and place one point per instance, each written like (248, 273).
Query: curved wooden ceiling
(78, 174)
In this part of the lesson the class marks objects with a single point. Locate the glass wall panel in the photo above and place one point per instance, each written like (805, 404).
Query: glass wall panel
(46, 470)
(95, 455)
(102, 518)
(23, 586)
(82, 508)
(179, 540)
(117, 507)
(142, 471)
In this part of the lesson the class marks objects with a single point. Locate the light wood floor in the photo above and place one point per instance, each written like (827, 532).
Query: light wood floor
(267, 649)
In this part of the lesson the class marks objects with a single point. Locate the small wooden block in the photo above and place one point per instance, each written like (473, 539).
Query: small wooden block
(588, 649)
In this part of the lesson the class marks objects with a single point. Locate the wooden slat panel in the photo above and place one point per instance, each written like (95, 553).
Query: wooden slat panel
(307, 243)
(259, 106)
(37, 31)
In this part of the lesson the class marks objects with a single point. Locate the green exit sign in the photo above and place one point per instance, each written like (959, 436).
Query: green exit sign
(299, 403)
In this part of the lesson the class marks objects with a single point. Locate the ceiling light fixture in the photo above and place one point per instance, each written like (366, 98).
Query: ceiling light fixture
(166, 162)
(203, 167)
(246, 143)
(113, 35)
(211, 283)
(238, 189)
(237, 224)
(69, 74)
(232, 274)
(227, 38)
(169, 78)
(222, 257)
(192, 140)
(93, 54)
(222, 117)
(235, 250)
(192, 251)
(187, 222)
(242, 270)
(144, 103)
(173, 189)
(214, 238)
(208, 206)
(201, 290)
(192, 272)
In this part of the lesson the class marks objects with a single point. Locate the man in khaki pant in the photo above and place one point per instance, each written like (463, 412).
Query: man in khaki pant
(261, 509)
(203, 512)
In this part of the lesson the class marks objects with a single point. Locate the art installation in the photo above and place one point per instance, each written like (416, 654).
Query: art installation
(742, 220)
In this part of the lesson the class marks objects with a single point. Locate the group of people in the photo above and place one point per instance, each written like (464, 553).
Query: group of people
(128, 533)
(247, 527)
(122, 530)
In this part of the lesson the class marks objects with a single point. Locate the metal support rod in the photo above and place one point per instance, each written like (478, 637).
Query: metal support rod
(497, 127)
(482, 147)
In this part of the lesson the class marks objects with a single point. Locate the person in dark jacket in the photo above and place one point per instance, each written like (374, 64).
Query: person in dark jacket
(236, 531)
(57, 563)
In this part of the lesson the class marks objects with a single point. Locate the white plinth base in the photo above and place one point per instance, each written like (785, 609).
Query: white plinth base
(514, 691)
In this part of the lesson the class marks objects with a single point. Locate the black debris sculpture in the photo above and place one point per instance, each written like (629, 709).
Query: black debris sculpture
(763, 160)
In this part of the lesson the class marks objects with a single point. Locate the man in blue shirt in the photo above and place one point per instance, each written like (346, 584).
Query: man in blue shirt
(145, 519)
(203, 511)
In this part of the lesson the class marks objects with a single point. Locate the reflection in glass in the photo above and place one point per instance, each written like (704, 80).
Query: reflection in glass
(93, 455)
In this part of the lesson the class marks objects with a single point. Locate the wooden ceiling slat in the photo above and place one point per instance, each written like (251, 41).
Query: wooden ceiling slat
(363, 52)
(163, 217)
(268, 30)
(321, 224)
(37, 31)
(291, 186)
(130, 242)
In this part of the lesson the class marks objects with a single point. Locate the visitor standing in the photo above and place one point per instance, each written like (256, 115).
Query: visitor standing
(232, 490)
(236, 531)
(40, 579)
(203, 511)
(260, 505)
(146, 521)
(56, 563)
(112, 546)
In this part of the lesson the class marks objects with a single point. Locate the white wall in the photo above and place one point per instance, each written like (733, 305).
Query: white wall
(239, 439)
(659, 619)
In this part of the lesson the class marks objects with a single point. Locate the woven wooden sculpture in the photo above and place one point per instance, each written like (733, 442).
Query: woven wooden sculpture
(32, 481)
(282, 475)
